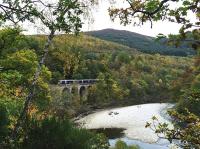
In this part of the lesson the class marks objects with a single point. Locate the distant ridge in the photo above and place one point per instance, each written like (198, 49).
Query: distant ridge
(140, 42)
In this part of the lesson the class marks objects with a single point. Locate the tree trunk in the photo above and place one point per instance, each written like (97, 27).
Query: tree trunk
(29, 97)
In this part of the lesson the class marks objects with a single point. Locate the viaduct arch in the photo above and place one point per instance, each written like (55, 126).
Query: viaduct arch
(77, 86)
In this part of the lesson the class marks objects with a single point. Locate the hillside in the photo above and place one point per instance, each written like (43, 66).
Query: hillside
(143, 43)
(87, 44)
(126, 77)
(130, 75)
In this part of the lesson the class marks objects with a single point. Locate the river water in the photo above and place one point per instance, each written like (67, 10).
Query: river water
(130, 121)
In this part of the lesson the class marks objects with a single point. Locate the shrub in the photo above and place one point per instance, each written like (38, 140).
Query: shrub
(56, 133)
(122, 145)
(3, 123)
(191, 101)
(99, 142)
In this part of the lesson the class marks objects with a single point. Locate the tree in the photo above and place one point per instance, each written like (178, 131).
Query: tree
(63, 15)
(139, 12)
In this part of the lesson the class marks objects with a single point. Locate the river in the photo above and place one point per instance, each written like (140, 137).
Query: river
(128, 124)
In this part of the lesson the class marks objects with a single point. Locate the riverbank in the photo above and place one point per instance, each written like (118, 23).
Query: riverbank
(87, 110)
(132, 118)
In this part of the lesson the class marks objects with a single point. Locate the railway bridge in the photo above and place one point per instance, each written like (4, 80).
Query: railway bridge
(81, 86)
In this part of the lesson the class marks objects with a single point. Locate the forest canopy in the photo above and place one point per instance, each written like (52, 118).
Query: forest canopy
(31, 103)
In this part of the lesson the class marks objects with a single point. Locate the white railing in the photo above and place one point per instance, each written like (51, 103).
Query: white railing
(82, 81)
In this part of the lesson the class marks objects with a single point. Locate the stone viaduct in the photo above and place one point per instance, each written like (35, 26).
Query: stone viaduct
(79, 86)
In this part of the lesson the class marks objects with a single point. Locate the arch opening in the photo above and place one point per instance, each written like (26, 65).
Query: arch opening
(74, 90)
(82, 91)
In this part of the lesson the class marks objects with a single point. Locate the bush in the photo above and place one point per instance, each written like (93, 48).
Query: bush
(4, 121)
(99, 142)
(55, 133)
(190, 100)
(122, 145)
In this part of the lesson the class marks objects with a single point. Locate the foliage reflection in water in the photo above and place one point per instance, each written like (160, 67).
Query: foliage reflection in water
(114, 134)
(110, 133)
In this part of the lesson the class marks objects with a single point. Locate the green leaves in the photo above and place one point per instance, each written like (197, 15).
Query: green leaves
(56, 133)
(151, 5)
(20, 67)
(62, 16)
(140, 12)
(122, 145)
(186, 2)
(160, 36)
(67, 16)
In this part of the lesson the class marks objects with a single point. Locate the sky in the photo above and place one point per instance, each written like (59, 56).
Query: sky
(103, 21)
